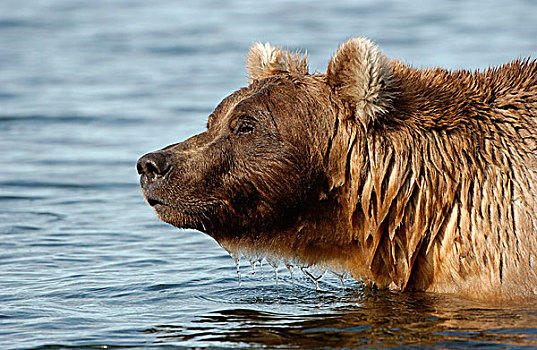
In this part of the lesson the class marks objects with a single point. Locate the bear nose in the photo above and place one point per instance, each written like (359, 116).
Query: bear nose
(153, 164)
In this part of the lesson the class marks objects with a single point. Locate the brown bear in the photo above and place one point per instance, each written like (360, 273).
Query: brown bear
(409, 179)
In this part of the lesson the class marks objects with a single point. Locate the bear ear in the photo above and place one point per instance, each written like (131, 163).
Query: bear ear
(266, 60)
(360, 74)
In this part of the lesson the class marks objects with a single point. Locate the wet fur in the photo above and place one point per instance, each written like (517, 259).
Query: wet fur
(411, 179)
(447, 193)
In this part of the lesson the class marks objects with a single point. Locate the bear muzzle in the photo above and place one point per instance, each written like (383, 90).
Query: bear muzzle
(153, 165)
(173, 184)
(154, 169)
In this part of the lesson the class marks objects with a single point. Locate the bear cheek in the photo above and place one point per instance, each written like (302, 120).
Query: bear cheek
(270, 194)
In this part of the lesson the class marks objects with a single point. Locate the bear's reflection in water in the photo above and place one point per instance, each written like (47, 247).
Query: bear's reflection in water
(357, 317)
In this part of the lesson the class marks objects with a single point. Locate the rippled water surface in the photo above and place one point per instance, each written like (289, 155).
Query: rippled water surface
(86, 87)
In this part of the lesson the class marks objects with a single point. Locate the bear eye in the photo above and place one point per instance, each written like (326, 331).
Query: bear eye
(245, 125)
(245, 128)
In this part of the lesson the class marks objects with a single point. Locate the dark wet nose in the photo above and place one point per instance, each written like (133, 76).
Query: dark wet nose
(153, 164)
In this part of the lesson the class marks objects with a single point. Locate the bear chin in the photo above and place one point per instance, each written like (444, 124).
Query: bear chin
(179, 217)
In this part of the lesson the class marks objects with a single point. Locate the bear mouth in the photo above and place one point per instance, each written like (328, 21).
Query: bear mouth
(154, 202)
(179, 215)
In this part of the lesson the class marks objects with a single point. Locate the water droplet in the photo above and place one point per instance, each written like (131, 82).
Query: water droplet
(252, 265)
(290, 268)
(254, 259)
(314, 278)
(261, 267)
(236, 256)
(237, 260)
(274, 262)
(341, 277)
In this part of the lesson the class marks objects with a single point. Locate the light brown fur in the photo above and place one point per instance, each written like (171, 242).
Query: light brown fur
(440, 194)
(423, 179)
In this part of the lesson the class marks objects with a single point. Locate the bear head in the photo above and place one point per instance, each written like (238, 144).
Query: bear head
(266, 174)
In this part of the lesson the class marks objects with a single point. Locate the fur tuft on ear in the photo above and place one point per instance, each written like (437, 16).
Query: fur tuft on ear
(360, 74)
(266, 60)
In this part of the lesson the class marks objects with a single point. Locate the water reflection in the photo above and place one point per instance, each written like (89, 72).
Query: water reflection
(368, 318)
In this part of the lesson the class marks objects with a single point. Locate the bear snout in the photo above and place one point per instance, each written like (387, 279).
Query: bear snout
(154, 165)
(154, 169)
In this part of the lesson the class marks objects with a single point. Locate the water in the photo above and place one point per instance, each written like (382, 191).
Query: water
(86, 87)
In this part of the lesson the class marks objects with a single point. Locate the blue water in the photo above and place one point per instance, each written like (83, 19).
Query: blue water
(86, 87)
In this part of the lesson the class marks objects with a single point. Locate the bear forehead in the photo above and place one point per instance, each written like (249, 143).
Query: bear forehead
(285, 91)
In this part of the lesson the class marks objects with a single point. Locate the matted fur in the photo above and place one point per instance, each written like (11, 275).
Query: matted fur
(449, 196)
(442, 191)
(411, 179)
